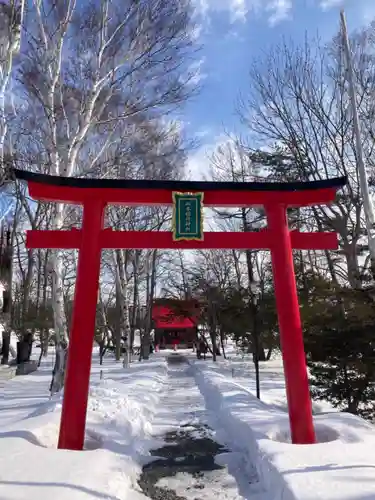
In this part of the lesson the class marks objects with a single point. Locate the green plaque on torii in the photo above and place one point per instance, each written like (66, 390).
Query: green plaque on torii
(187, 216)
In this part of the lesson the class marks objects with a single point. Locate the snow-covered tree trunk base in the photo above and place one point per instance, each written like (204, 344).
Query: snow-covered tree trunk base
(61, 337)
(5, 347)
(128, 354)
(58, 374)
(12, 351)
(146, 346)
(45, 344)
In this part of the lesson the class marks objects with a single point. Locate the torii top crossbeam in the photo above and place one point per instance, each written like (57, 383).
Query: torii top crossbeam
(158, 192)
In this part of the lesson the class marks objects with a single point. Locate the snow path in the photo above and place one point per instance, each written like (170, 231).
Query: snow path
(183, 414)
(151, 406)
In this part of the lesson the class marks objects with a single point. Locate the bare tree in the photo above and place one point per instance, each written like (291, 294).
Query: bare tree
(97, 78)
(11, 18)
(298, 99)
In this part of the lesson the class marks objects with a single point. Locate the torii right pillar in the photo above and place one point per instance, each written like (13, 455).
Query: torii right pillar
(290, 326)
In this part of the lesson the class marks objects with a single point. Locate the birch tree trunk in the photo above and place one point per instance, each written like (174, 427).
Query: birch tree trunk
(11, 17)
(212, 326)
(146, 337)
(124, 296)
(27, 288)
(122, 288)
(77, 124)
(136, 306)
(105, 333)
(6, 278)
(46, 333)
(119, 315)
(58, 306)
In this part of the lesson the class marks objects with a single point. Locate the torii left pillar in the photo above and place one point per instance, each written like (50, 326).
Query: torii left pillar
(74, 408)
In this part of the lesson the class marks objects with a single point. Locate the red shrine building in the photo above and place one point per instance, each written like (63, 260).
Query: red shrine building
(175, 322)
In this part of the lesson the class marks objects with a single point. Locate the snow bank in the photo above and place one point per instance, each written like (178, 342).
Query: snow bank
(119, 422)
(272, 381)
(341, 467)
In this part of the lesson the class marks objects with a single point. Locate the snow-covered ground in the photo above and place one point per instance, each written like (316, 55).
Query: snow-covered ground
(121, 408)
(131, 409)
(340, 467)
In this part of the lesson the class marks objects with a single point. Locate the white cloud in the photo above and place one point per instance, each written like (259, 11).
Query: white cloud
(196, 69)
(275, 11)
(199, 162)
(328, 4)
(368, 11)
(236, 8)
(239, 10)
(279, 10)
(198, 165)
(365, 8)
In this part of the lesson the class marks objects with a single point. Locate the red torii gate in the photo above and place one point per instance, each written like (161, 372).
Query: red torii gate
(96, 194)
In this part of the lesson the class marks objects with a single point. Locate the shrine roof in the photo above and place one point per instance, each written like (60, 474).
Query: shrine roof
(175, 314)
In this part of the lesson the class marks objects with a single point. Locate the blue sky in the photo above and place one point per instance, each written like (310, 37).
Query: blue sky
(235, 31)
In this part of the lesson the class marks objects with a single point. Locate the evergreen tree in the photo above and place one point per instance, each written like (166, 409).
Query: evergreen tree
(338, 323)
